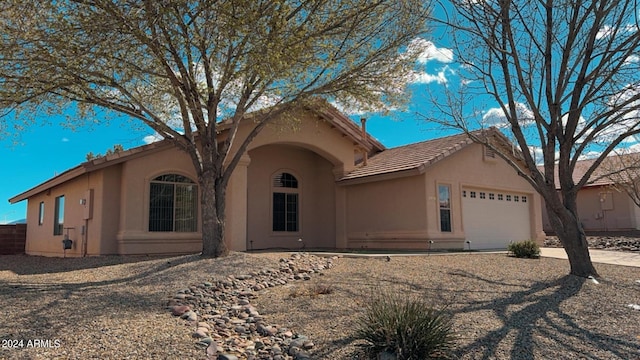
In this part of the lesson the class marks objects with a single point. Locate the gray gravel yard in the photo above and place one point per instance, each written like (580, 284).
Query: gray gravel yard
(503, 308)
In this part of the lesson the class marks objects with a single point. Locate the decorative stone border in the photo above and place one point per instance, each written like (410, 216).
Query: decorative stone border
(230, 328)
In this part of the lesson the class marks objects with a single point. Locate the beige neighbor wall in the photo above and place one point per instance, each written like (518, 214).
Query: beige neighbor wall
(404, 212)
(616, 211)
(83, 219)
(133, 236)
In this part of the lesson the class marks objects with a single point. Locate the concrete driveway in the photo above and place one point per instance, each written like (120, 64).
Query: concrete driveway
(624, 258)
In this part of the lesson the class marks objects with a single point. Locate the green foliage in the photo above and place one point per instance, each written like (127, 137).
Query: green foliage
(525, 249)
(116, 149)
(406, 326)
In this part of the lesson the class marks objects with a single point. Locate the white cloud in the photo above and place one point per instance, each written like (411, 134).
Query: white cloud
(152, 138)
(496, 117)
(429, 51)
(607, 31)
(64, 139)
(632, 59)
(440, 77)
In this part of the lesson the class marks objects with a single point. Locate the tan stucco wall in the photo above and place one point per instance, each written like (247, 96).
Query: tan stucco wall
(312, 134)
(316, 198)
(469, 168)
(83, 232)
(387, 214)
(403, 212)
(595, 216)
(133, 236)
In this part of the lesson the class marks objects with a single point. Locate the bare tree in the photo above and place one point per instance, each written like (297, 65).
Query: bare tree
(181, 67)
(565, 76)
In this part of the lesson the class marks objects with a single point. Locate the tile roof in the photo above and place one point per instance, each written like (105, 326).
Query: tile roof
(613, 167)
(411, 157)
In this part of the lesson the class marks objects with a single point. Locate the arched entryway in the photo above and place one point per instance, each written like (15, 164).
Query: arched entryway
(290, 199)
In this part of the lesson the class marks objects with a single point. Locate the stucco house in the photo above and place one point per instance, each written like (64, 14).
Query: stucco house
(326, 184)
(602, 206)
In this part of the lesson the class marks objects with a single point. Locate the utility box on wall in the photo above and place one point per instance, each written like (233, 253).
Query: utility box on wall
(87, 202)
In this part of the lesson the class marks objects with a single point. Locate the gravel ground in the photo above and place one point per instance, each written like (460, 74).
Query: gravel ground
(503, 308)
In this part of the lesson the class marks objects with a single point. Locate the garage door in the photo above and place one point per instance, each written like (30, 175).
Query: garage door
(493, 219)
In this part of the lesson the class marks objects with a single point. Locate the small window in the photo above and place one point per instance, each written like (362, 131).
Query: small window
(524, 199)
(473, 194)
(285, 180)
(483, 195)
(508, 197)
(500, 197)
(492, 196)
(58, 217)
(444, 200)
(464, 193)
(516, 198)
(41, 213)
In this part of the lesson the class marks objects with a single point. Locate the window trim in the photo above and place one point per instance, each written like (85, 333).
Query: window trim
(447, 209)
(193, 183)
(41, 213)
(286, 190)
(58, 215)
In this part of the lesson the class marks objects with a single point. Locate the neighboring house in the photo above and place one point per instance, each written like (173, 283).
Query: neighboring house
(325, 185)
(601, 206)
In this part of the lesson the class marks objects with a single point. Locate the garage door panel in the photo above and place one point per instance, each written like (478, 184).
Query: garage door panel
(493, 219)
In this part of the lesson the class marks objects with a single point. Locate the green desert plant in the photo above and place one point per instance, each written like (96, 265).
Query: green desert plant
(525, 249)
(405, 326)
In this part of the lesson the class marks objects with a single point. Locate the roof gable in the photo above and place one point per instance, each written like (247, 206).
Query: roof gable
(414, 158)
(320, 108)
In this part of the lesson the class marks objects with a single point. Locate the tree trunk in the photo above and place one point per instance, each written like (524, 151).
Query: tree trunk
(212, 201)
(567, 226)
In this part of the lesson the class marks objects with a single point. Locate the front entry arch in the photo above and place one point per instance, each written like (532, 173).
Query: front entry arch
(299, 211)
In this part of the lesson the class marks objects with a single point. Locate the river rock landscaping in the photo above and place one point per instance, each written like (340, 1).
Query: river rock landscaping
(616, 243)
(229, 327)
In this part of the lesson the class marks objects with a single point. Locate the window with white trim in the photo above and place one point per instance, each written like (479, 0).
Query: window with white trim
(173, 204)
(285, 214)
(41, 213)
(444, 200)
(58, 216)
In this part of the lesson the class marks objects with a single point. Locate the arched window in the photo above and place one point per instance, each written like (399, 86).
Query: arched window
(173, 204)
(285, 203)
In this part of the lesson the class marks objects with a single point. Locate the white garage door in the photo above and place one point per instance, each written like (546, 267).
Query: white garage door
(493, 219)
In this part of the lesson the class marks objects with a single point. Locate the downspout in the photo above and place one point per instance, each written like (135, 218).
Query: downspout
(365, 153)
